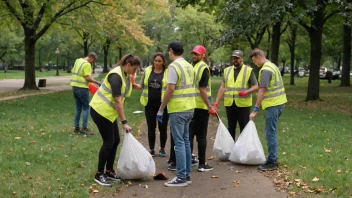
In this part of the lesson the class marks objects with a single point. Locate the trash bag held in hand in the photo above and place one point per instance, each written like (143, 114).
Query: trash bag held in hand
(223, 143)
(248, 149)
(135, 162)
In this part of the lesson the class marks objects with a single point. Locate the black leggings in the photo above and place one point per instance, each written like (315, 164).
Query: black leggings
(111, 139)
(237, 114)
(150, 114)
(199, 128)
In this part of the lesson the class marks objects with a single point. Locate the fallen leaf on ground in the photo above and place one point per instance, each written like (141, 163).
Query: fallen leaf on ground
(319, 190)
(14, 193)
(338, 171)
(321, 169)
(236, 182)
(237, 171)
(303, 167)
(315, 179)
(214, 176)
(95, 191)
(17, 138)
(210, 158)
(146, 186)
(292, 193)
(28, 164)
(284, 153)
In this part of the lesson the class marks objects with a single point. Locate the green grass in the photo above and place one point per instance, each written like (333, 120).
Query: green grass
(306, 133)
(63, 164)
(19, 74)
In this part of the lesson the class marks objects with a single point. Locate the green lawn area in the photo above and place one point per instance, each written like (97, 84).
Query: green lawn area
(19, 74)
(41, 157)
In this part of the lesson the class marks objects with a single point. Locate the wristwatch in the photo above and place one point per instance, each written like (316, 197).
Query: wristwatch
(123, 121)
(255, 108)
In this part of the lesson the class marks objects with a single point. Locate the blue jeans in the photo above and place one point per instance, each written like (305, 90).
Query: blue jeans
(81, 96)
(272, 115)
(179, 123)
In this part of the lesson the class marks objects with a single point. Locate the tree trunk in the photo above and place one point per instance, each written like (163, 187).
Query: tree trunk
(106, 52)
(339, 62)
(29, 48)
(85, 48)
(275, 43)
(269, 39)
(315, 36)
(346, 68)
(120, 53)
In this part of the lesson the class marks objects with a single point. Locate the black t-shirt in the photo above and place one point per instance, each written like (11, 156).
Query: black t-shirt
(115, 81)
(252, 79)
(154, 87)
(205, 78)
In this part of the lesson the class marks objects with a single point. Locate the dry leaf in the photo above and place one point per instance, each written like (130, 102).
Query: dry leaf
(146, 186)
(95, 191)
(321, 169)
(328, 151)
(284, 153)
(17, 138)
(319, 190)
(214, 176)
(237, 171)
(303, 167)
(28, 164)
(315, 179)
(14, 193)
(338, 171)
(210, 158)
(292, 193)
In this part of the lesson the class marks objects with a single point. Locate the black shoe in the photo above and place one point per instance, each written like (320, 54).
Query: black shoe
(162, 153)
(77, 129)
(194, 162)
(100, 178)
(176, 182)
(86, 131)
(204, 167)
(152, 153)
(189, 181)
(112, 176)
(268, 166)
(172, 167)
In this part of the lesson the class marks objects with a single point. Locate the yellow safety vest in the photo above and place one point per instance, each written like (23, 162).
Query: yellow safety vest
(144, 96)
(183, 98)
(232, 88)
(78, 79)
(103, 101)
(275, 93)
(199, 69)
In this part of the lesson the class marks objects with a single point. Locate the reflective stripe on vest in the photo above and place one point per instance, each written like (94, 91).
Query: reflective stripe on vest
(144, 96)
(275, 93)
(77, 77)
(232, 87)
(199, 68)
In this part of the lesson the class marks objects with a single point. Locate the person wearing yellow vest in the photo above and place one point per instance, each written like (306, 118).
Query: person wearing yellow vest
(151, 83)
(179, 97)
(199, 123)
(107, 106)
(239, 82)
(272, 97)
(81, 76)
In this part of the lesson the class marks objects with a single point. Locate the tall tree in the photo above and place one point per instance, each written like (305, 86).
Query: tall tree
(36, 17)
(345, 80)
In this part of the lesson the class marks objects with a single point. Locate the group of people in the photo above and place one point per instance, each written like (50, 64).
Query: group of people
(179, 93)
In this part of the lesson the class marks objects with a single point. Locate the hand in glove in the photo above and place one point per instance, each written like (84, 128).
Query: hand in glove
(216, 105)
(242, 93)
(212, 111)
(159, 115)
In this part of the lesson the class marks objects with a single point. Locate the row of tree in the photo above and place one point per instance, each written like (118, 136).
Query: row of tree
(113, 27)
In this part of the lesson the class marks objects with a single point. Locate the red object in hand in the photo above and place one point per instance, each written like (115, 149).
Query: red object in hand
(132, 79)
(212, 112)
(242, 93)
(92, 88)
(216, 105)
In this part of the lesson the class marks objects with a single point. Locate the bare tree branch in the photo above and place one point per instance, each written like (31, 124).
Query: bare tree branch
(39, 16)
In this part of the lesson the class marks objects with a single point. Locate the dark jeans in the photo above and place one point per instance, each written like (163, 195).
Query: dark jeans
(150, 114)
(199, 128)
(237, 114)
(109, 132)
(81, 96)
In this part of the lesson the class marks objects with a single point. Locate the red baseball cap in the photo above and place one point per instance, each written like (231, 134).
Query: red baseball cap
(199, 49)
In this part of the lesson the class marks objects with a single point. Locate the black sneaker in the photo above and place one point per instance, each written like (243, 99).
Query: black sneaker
(194, 160)
(152, 153)
(112, 176)
(189, 181)
(77, 129)
(162, 153)
(176, 182)
(172, 166)
(268, 166)
(100, 178)
(204, 167)
(86, 131)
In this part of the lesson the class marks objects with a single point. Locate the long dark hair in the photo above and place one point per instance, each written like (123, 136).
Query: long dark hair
(205, 59)
(162, 57)
(129, 58)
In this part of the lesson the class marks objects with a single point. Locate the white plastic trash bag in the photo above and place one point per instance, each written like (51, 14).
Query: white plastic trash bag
(248, 149)
(223, 143)
(135, 161)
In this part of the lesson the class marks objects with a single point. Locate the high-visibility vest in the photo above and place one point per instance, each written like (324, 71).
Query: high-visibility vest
(78, 79)
(275, 93)
(103, 102)
(144, 96)
(183, 98)
(199, 68)
(232, 88)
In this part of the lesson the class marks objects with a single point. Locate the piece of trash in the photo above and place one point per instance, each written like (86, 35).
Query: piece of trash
(214, 176)
(160, 176)
(137, 112)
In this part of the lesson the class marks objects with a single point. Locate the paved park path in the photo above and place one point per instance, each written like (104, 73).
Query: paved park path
(231, 180)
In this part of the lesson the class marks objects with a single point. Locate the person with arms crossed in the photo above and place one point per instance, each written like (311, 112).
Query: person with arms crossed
(81, 76)
(272, 97)
(107, 105)
(180, 100)
(239, 82)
